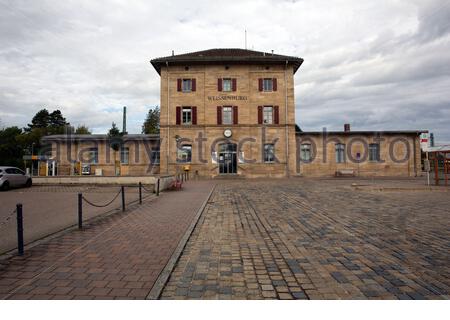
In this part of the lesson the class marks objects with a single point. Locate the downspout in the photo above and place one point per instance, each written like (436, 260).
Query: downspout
(286, 119)
(168, 122)
(415, 155)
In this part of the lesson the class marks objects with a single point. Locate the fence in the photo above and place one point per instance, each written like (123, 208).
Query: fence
(161, 184)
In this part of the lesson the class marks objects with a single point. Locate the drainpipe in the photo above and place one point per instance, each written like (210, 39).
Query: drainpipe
(168, 122)
(286, 120)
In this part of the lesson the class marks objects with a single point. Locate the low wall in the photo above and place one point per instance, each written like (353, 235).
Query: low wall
(104, 180)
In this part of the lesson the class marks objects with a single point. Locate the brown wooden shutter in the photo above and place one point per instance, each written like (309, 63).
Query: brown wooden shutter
(235, 115)
(194, 85)
(219, 84)
(276, 115)
(219, 114)
(260, 84)
(178, 115)
(233, 84)
(194, 115)
(178, 84)
(260, 114)
(274, 84)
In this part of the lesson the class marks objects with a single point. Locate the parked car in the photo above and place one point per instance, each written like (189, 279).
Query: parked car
(11, 177)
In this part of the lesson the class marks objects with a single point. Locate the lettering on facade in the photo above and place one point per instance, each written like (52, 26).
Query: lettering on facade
(227, 98)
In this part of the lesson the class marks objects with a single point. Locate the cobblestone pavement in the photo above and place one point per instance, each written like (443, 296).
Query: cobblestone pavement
(116, 257)
(316, 239)
(48, 209)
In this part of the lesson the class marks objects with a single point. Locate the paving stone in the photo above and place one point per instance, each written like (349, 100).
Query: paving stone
(320, 239)
(115, 256)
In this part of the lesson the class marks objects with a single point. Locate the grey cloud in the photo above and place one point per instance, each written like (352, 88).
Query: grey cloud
(377, 65)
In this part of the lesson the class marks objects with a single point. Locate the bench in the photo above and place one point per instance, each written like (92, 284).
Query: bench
(345, 173)
(176, 185)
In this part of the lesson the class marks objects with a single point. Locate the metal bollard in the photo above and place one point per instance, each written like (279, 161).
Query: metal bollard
(80, 211)
(19, 229)
(123, 198)
(140, 193)
(157, 187)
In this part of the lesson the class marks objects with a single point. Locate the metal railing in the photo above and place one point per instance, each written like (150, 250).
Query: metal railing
(81, 198)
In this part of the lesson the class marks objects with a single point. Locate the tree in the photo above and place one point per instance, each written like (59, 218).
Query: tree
(151, 123)
(115, 141)
(11, 150)
(40, 120)
(56, 123)
(82, 129)
(114, 131)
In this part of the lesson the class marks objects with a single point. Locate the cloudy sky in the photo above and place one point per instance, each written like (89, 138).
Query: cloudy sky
(375, 64)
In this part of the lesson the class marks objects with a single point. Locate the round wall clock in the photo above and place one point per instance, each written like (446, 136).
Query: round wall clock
(227, 133)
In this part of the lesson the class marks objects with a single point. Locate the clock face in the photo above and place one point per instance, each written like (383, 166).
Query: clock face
(227, 133)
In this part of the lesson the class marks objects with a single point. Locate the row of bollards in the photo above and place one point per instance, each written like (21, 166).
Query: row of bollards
(19, 212)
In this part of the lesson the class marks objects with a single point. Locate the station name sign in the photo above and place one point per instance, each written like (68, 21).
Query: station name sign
(227, 98)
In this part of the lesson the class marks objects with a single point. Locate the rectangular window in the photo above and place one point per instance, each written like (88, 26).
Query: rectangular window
(227, 115)
(269, 153)
(374, 152)
(305, 152)
(124, 155)
(268, 84)
(154, 157)
(187, 85)
(340, 152)
(268, 114)
(184, 154)
(227, 85)
(93, 155)
(187, 115)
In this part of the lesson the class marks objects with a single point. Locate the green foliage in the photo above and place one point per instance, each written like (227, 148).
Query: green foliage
(151, 123)
(11, 150)
(82, 129)
(115, 137)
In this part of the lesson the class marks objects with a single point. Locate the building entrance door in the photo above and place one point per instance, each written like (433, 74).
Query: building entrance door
(228, 158)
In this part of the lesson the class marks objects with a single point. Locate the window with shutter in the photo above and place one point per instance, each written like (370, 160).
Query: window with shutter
(178, 115)
(178, 84)
(219, 84)
(194, 84)
(194, 115)
(235, 115)
(227, 115)
(234, 84)
(260, 114)
(260, 84)
(226, 84)
(276, 115)
(274, 84)
(219, 115)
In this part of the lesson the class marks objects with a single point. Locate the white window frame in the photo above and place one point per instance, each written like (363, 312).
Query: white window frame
(184, 154)
(305, 152)
(227, 84)
(188, 119)
(93, 155)
(186, 85)
(268, 114)
(124, 155)
(269, 153)
(267, 84)
(340, 152)
(374, 147)
(227, 111)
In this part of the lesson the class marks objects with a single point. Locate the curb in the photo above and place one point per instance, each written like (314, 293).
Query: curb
(163, 277)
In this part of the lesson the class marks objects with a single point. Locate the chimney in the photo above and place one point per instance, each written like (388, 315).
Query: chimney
(124, 124)
(173, 53)
(272, 52)
(347, 127)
